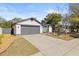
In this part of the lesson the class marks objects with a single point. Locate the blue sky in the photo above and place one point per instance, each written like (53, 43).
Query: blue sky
(26, 10)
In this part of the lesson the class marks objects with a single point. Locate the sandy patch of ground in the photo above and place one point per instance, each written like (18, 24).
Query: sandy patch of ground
(20, 47)
(6, 41)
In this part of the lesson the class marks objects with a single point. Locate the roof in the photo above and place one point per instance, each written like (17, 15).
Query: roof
(26, 20)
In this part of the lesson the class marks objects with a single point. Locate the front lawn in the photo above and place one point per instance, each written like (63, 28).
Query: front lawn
(20, 47)
(6, 41)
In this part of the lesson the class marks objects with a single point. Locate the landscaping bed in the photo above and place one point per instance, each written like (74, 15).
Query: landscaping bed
(75, 35)
(66, 37)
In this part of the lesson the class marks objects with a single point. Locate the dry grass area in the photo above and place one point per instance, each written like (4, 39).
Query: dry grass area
(6, 41)
(66, 37)
(20, 47)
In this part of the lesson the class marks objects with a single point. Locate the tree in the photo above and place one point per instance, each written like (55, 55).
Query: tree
(15, 20)
(74, 8)
(74, 17)
(74, 23)
(6, 24)
(2, 20)
(52, 19)
(43, 22)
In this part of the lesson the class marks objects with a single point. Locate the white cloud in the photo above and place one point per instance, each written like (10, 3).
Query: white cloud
(9, 13)
(52, 11)
(63, 12)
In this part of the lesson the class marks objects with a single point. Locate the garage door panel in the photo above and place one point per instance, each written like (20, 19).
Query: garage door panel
(26, 30)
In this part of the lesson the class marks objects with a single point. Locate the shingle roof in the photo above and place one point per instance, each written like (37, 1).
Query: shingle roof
(26, 20)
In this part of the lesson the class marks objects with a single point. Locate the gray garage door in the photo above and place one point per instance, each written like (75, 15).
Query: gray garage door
(28, 29)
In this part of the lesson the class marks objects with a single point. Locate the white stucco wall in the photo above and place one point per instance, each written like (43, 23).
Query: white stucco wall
(41, 29)
(29, 22)
(0, 30)
(18, 29)
(50, 29)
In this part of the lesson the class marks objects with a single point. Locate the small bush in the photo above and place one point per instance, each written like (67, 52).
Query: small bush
(75, 35)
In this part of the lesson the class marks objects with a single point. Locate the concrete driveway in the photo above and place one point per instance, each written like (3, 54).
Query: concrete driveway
(49, 46)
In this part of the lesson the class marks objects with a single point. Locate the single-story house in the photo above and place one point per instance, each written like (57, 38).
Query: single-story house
(64, 26)
(29, 26)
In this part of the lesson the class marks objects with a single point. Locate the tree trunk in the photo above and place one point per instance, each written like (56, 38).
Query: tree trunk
(77, 30)
(53, 28)
(72, 29)
(58, 31)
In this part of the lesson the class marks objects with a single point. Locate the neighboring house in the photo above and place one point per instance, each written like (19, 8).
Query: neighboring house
(29, 26)
(64, 26)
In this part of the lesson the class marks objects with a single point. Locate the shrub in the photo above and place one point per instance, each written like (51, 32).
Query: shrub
(75, 35)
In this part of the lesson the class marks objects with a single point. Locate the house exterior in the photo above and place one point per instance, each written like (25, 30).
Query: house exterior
(64, 26)
(29, 26)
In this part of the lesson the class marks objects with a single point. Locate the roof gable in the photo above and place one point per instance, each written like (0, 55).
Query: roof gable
(29, 21)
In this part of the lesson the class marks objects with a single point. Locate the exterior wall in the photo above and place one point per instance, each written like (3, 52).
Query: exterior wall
(14, 29)
(50, 29)
(45, 29)
(41, 29)
(0, 30)
(29, 22)
(18, 29)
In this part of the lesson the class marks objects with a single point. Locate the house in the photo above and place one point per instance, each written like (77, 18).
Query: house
(65, 25)
(29, 26)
